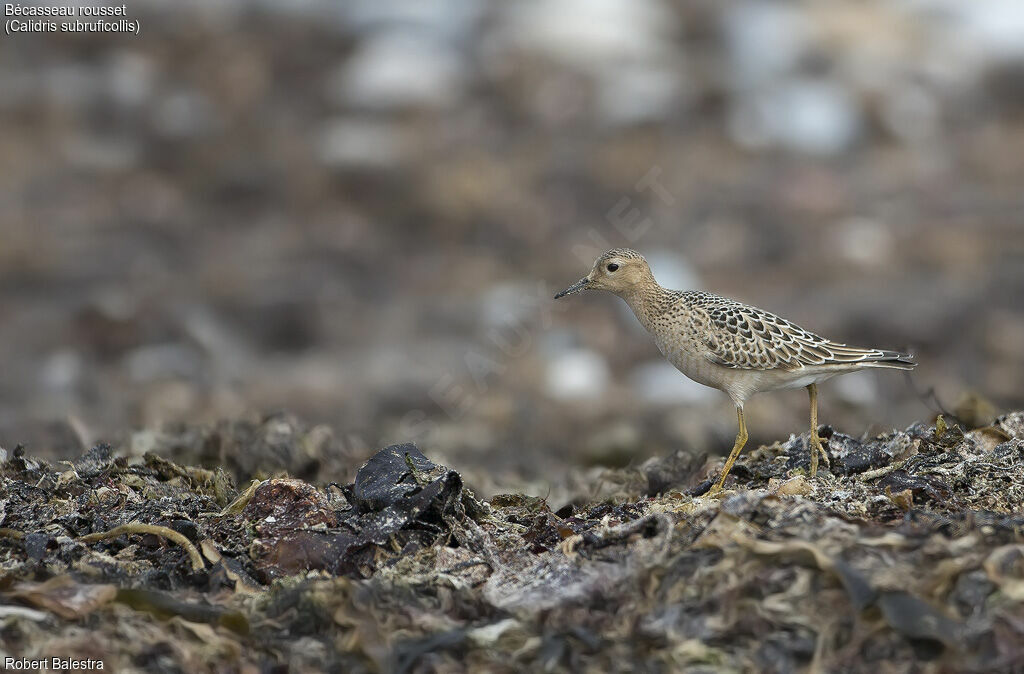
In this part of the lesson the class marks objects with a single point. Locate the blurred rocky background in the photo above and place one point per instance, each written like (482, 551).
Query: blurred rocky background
(358, 212)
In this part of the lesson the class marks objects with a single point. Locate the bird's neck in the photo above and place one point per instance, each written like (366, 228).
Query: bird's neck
(647, 300)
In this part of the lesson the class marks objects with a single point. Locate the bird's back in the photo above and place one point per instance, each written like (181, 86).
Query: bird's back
(742, 350)
(740, 336)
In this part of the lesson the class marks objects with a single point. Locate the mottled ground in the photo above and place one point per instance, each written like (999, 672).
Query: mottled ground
(906, 555)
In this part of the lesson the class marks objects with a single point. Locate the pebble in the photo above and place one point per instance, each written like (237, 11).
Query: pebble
(659, 383)
(396, 69)
(360, 143)
(577, 374)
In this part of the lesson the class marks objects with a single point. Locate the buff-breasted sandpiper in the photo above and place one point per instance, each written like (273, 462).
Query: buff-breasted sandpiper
(728, 345)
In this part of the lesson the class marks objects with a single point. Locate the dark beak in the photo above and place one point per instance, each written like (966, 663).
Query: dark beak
(574, 288)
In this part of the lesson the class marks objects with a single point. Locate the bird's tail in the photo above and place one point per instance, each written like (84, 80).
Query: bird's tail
(891, 359)
(895, 360)
(853, 355)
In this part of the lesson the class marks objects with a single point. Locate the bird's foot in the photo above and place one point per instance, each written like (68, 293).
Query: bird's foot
(717, 491)
(817, 449)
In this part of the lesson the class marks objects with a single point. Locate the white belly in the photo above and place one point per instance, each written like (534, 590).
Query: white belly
(696, 367)
(773, 381)
(738, 383)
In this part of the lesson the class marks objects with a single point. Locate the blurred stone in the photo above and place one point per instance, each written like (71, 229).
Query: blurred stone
(749, 124)
(673, 270)
(360, 143)
(560, 98)
(64, 597)
(815, 190)
(226, 349)
(577, 374)
(184, 114)
(51, 437)
(170, 400)
(399, 69)
(623, 47)
(614, 445)
(723, 241)
(101, 153)
(864, 242)
(634, 94)
(452, 19)
(812, 116)
(974, 410)
(248, 448)
(764, 41)
(659, 383)
(62, 370)
(911, 113)
(72, 84)
(18, 86)
(157, 361)
(994, 27)
(590, 34)
(130, 76)
(109, 324)
(511, 306)
(679, 470)
(857, 388)
(1003, 336)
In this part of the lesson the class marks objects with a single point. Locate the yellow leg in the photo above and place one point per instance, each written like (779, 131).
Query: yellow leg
(815, 444)
(741, 439)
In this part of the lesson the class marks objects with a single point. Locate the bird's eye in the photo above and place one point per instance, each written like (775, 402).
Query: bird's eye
(613, 267)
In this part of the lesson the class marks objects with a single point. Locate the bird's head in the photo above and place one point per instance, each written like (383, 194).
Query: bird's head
(619, 271)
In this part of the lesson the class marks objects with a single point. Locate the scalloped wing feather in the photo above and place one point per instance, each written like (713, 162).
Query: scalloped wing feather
(740, 336)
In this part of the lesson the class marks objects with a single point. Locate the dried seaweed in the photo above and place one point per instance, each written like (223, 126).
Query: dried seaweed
(906, 555)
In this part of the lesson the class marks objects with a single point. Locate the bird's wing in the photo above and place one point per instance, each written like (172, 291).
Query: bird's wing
(745, 337)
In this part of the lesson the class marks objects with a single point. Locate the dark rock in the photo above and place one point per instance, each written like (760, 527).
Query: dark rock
(36, 545)
(95, 461)
(186, 528)
(397, 492)
(847, 455)
(285, 504)
(927, 486)
(389, 476)
(916, 619)
(676, 471)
